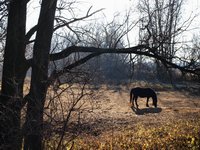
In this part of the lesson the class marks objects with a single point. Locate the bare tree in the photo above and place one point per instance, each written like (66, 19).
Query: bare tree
(160, 27)
(109, 35)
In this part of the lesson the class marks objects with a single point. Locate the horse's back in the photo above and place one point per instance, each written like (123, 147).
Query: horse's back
(143, 92)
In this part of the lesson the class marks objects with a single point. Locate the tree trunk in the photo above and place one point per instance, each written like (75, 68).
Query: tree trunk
(14, 71)
(39, 77)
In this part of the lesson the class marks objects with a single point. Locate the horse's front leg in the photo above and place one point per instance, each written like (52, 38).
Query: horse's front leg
(147, 102)
(136, 101)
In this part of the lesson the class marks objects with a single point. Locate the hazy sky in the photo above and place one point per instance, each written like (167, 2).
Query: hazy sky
(110, 7)
(190, 8)
(113, 6)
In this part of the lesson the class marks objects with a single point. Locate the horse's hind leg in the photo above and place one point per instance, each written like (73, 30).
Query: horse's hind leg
(132, 101)
(147, 102)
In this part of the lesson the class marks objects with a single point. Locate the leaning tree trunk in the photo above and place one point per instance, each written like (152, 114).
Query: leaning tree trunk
(14, 71)
(39, 77)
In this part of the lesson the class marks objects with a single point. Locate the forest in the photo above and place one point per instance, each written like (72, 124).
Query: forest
(67, 72)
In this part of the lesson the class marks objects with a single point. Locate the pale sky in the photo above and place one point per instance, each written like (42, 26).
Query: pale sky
(113, 6)
(110, 7)
(190, 8)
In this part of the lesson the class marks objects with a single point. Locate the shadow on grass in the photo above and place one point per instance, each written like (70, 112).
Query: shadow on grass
(144, 111)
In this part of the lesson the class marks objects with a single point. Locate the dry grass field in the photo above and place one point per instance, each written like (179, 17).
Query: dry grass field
(113, 124)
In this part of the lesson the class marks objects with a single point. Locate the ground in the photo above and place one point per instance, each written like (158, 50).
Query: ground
(113, 118)
(114, 111)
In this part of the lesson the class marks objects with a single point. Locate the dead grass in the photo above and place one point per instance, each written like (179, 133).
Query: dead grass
(113, 125)
(173, 135)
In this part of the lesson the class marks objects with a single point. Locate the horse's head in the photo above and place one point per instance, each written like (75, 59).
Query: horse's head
(154, 101)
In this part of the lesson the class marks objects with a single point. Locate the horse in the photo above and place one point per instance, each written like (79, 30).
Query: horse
(143, 92)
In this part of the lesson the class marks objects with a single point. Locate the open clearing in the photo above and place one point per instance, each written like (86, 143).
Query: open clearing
(114, 113)
(114, 124)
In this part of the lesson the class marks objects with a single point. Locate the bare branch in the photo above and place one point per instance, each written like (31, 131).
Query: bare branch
(139, 50)
(30, 34)
(66, 23)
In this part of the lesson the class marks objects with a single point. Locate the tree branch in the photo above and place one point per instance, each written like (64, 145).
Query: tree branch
(65, 23)
(56, 74)
(30, 34)
(66, 52)
(139, 50)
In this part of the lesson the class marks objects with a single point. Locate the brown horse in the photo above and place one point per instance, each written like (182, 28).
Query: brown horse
(143, 92)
